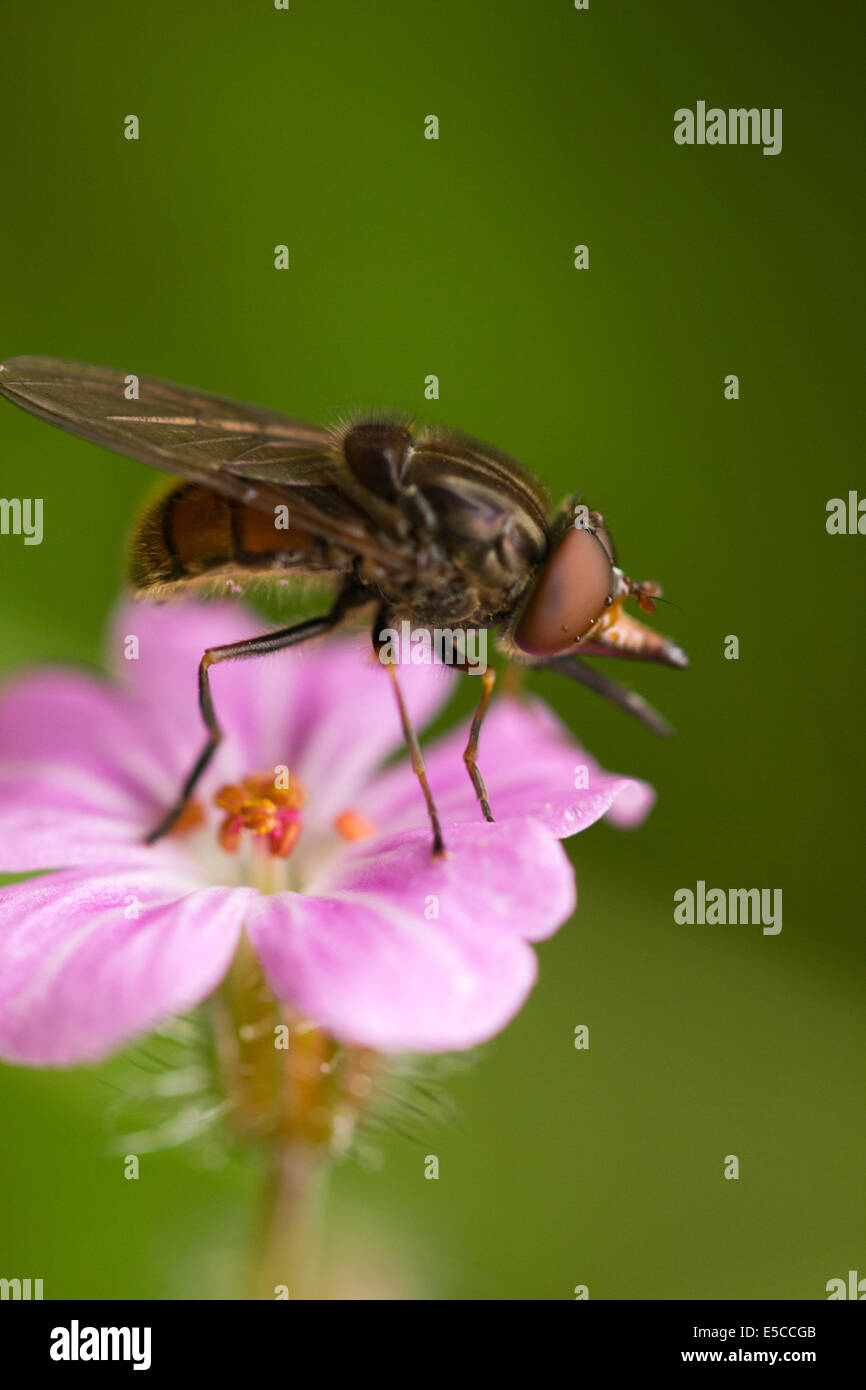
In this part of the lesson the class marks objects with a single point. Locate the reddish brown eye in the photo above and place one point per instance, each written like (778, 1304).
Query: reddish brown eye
(601, 532)
(570, 596)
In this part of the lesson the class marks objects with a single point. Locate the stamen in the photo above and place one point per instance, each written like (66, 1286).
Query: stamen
(190, 818)
(353, 826)
(257, 805)
(284, 841)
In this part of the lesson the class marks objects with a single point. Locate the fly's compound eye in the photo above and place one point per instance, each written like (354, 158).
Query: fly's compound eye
(574, 588)
(601, 531)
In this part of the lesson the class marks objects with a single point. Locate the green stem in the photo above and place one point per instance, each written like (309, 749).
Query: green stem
(289, 1255)
(298, 1105)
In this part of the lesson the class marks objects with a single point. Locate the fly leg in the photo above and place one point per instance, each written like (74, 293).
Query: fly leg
(628, 700)
(235, 651)
(470, 755)
(411, 741)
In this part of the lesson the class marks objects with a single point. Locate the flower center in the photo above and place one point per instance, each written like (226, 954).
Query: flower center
(265, 808)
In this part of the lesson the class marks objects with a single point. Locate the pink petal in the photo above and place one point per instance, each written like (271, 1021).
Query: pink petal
(162, 679)
(87, 769)
(530, 763)
(79, 976)
(367, 962)
(324, 710)
(47, 822)
(79, 771)
(346, 721)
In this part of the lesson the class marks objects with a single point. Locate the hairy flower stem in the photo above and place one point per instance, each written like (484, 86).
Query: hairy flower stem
(296, 1096)
(289, 1252)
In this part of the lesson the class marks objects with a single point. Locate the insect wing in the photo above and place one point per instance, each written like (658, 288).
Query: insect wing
(252, 455)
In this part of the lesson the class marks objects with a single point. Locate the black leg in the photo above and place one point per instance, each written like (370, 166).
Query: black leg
(470, 756)
(628, 700)
(235, 651)
(411, 739)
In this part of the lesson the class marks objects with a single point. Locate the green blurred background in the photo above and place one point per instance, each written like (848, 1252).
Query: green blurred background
(409, 257)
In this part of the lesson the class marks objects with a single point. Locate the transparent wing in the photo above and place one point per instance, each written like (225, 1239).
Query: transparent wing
(251, 455)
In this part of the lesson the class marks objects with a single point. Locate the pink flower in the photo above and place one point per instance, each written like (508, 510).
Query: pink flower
(368, 937)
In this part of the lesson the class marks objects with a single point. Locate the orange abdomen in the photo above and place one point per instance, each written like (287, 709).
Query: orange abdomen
(191, 533)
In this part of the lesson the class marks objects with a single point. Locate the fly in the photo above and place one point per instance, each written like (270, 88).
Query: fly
(426, 524)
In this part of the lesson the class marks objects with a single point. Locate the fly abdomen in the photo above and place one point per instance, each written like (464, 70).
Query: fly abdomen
(192, 533)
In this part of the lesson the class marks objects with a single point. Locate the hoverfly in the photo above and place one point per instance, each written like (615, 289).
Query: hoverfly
(427, 525)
